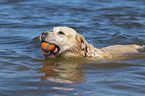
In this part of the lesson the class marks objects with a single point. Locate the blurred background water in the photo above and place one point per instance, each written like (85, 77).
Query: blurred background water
(24, 71)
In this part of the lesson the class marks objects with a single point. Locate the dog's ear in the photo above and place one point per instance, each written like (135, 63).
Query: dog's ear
(82, 44)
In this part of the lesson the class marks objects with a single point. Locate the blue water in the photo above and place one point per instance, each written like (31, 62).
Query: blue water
(25, 72)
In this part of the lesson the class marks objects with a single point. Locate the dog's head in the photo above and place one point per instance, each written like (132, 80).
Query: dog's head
(67, 41)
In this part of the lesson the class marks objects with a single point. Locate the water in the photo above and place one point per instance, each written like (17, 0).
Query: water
(25, 72)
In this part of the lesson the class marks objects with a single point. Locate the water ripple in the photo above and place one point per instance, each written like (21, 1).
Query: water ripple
(24, 71)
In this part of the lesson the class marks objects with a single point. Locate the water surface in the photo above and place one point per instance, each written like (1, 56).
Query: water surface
(25, 72)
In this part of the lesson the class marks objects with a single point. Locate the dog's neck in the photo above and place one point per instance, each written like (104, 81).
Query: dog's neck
(88, 50)
(94, 52)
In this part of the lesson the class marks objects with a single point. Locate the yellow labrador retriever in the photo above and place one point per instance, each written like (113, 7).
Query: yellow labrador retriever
(69, 43)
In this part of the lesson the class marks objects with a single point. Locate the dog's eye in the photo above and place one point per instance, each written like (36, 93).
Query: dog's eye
(61, 33)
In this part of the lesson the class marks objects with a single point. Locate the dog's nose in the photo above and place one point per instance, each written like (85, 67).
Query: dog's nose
(44, 33)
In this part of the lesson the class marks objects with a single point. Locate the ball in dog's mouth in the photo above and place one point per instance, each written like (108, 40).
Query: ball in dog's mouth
(50, 50)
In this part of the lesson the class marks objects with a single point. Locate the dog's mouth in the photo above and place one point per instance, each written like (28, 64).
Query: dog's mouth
(51, 54)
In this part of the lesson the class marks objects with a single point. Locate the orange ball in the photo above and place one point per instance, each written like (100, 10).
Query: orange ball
(46, 47)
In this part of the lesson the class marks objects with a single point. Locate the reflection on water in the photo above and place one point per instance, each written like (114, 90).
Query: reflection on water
(62, 71)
